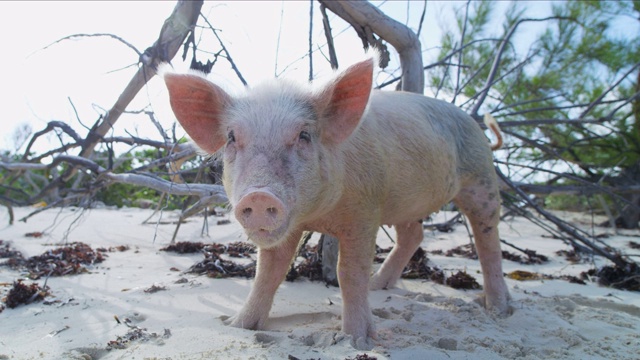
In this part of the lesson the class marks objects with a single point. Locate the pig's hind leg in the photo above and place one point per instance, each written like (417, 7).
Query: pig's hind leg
(480, 202)
(272, 267)
(410, 236)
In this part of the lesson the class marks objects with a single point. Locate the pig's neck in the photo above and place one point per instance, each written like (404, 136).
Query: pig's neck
(352, 189)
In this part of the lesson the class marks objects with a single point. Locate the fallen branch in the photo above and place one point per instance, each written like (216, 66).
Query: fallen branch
(563, 225)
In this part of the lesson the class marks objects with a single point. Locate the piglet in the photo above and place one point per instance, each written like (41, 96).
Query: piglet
(343, 160)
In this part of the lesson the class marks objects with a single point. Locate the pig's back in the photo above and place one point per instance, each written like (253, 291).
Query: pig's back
(412, 147)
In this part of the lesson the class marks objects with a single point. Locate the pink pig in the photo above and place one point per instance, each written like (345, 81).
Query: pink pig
(343, 161)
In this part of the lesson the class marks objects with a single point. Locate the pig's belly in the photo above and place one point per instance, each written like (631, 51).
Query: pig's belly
(416, 205)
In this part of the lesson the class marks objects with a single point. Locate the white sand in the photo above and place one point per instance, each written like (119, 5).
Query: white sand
(418, 320)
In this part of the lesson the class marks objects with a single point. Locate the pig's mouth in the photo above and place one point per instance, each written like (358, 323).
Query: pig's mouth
(266, 238)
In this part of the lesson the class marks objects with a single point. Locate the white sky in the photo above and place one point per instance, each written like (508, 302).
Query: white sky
(35, 84)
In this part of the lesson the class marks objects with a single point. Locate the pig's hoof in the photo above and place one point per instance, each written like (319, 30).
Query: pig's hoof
(226, 319)
(242, 323)
(498, 305)
(380, 283)
(362, 343)
(362, 338)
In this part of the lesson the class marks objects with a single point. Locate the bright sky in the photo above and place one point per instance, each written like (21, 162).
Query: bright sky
(36, 84)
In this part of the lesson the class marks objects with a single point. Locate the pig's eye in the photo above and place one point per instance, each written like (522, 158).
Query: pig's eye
(305, 136)
(231, 137)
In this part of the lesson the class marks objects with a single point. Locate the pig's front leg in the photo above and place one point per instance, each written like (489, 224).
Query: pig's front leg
(354, 270)
(272, 267)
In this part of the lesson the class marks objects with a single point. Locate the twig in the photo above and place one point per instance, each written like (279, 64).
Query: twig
(333, 59)
(75, 36)
(226, 52)
(496, 62)
(310, 40)
(460, 54)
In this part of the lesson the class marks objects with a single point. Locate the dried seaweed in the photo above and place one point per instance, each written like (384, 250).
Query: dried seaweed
(216, 267)
(462, 280)
(6, 251)
(136, 333)
(236, 249)
(184, 247)
(21, 293)
(467, 251)
(624, 278)
(362, 357)
(35, 234)
(119, 248)
(154, 289)
(310, 267)
(533, 258)
(65, 260)
(570, 255)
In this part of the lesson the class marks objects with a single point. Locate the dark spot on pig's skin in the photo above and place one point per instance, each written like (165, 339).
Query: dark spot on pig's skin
(487, 229)
(492, 196)
(493, 214)
(485, 205)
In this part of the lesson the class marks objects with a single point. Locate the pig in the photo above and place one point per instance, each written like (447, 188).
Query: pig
(343, 159)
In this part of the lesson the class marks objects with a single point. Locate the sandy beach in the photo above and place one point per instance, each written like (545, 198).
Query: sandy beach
(140, 303)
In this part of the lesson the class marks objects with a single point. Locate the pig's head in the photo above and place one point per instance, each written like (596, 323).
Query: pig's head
(280, 143)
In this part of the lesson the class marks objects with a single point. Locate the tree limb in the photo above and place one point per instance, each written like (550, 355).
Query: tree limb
(174, 31)
(363, 16)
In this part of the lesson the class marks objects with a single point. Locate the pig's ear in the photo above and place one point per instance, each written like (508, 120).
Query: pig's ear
(198, 105)
(343, 102)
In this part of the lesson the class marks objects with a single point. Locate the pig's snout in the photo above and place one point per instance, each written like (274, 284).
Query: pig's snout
(262, 214)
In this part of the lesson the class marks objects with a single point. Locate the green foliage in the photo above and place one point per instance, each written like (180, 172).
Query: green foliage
(567, 202)
(18, 188)
(573, 63)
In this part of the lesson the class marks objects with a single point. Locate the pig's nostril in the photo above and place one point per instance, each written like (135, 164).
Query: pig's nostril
(272, 211)
(247, 211)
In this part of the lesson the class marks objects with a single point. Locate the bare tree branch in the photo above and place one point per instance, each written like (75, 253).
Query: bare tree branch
(333, 59)
(174, 31)
(500, 51)
(226, 52)
(363, 16)
(75, 36)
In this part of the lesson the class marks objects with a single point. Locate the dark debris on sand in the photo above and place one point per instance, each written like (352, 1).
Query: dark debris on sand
(64, 260)
(21, 293)
(237, 249)
(533, 258)
(136, 334)
(184, 247)
(216, 267)
(310, 267)
(623, 278)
